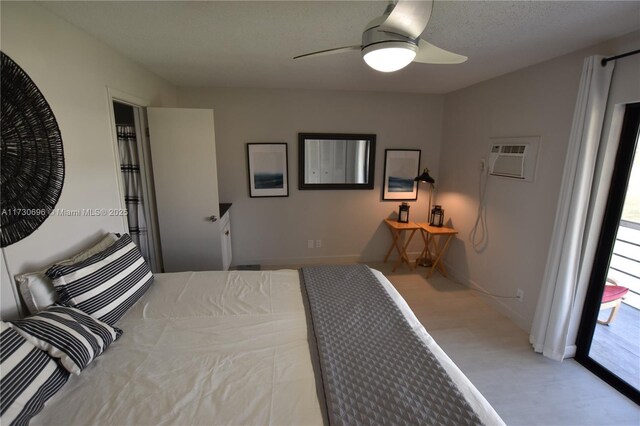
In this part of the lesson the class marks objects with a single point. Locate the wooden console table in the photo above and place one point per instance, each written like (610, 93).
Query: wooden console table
(428, 236)
(397, 229)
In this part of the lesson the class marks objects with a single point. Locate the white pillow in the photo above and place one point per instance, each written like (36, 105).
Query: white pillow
(105, 285)
(28, 377)
(67, 334)
(37, 289)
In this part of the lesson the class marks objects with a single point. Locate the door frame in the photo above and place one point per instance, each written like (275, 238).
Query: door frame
(139, 105)
(608, 233)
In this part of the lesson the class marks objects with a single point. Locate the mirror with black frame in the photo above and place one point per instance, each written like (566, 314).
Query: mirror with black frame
(336, 161)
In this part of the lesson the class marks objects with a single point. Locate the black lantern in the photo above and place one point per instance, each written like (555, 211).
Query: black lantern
(437, 216)
(403, 213)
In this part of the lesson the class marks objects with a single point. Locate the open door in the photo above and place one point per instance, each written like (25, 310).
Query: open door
(183, 154)
(608, 341)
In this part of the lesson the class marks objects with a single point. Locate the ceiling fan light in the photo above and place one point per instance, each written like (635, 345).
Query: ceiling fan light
(390, 56)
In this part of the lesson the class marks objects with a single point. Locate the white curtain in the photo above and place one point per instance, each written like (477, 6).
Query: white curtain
(130, 169)
(572, 249)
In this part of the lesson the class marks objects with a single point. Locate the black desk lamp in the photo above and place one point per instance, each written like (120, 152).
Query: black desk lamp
(426, 178)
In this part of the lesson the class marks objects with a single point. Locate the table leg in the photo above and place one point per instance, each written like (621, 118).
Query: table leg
(439, 254)
(394, 235)
(431, 241)
(398, 246)
(423, 253)
(426, 252)
(402, 251)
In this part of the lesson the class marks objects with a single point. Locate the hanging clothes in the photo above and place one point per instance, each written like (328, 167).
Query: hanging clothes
(131, 177)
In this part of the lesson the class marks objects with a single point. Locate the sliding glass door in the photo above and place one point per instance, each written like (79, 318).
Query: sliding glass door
(609, 337)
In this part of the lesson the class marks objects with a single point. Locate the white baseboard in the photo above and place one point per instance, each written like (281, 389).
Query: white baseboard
(570, 351)
(318, 260)
(519, 320)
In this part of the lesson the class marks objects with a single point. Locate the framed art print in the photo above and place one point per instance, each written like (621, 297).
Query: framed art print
(268, 170)
(401, 166)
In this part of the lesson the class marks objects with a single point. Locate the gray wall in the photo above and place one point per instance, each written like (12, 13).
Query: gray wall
(538, 100)
(73, 72)
(349, 223)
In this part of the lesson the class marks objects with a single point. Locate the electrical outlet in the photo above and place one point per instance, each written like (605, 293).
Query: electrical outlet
(310, 244)
(318, 243)
(520, 295)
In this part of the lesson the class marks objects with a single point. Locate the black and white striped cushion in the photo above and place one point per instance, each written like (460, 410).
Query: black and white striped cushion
(68, 334)
(28, 378)
(105, 285)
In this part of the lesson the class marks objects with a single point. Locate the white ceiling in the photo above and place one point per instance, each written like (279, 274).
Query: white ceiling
(251, 44)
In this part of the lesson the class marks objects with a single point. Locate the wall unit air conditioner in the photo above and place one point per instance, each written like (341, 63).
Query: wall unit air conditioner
(513, 157)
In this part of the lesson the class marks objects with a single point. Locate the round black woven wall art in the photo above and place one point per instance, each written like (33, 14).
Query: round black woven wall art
(32, 158)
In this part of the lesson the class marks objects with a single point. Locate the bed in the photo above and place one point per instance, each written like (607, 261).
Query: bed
(245, 347)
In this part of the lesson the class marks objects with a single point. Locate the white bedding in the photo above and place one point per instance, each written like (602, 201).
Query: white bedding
(214, 348)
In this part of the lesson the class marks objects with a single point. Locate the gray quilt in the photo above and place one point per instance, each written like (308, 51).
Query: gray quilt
(375, 369)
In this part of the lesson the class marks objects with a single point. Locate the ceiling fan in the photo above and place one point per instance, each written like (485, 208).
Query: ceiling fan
(392, 41)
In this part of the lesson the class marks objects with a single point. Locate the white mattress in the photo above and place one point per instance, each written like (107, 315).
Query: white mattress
(214, 348)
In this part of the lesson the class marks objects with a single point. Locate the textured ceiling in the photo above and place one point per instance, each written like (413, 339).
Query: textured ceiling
(251, 44)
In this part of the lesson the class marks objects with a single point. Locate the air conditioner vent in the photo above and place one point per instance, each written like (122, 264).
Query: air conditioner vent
(513, 149)
(513, 157)
(508, 165)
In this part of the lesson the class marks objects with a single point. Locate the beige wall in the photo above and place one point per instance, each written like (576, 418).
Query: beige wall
(539, 101)
(73, 71)
(349, 223)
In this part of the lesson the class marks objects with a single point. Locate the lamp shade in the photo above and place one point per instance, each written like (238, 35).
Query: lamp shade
(389, 56)
(425, 177)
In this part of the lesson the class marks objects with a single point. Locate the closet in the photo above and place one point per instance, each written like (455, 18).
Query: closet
(136, 181)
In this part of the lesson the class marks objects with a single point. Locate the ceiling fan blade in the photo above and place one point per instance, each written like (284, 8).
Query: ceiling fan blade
(430, 54)
(408, 18)
(329, 51)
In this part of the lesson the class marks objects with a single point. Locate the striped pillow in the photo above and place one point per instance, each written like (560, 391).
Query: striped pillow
(28, 378)
(105, 285)
(68, 334)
